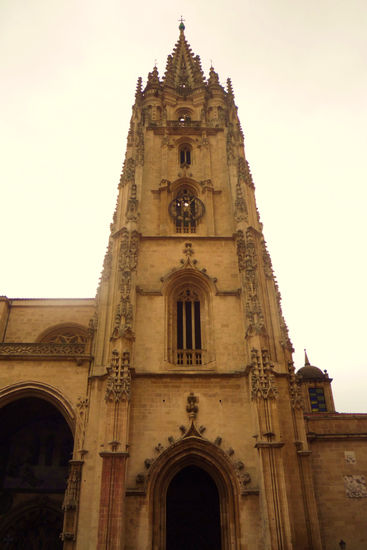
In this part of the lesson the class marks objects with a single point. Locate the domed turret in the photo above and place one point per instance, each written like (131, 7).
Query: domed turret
(310, 372)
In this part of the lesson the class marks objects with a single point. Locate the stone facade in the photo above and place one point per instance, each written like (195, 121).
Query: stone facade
(182, 363)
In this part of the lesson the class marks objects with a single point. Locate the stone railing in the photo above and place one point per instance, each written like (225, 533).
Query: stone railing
(189, 357)
(43, 349)
(184, 123)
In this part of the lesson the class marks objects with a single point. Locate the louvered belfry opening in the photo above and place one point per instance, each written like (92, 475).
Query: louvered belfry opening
(188, 336)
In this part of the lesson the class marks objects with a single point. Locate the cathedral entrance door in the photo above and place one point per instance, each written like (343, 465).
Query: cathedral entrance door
(192, 511)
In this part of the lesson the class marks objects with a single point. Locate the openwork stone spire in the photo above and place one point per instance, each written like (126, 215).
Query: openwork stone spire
(183, 70)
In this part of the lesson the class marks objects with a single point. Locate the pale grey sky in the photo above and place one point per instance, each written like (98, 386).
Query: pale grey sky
(68, 73)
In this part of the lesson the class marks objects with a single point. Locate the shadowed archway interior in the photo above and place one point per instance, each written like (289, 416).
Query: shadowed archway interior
(35, 447)
(192, 511)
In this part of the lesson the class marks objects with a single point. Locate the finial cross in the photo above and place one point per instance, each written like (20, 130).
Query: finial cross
(181, 20)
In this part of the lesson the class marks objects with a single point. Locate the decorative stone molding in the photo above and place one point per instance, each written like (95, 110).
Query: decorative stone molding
(262, 376)
(355, 486)
(127, 262)
(285, 341)
(107, 263)
(268, 267)
(119, 379)
(192, 407)
(191, 431)
(71, 498)
(295, 387)
(230, 143)
(240, 206)
(82, 409)
(128, 170)
(244, 173)
(241, 249)
(44, 349)
(132, 205)
(350, 457)
(247, 263)
(139, 144)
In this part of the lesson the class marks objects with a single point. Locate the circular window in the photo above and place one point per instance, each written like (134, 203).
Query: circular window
(186, 210)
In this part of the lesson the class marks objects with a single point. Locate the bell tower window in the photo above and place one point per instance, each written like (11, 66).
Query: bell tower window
(188, 325)
(190, 334)
(185, 155)
(186, 210)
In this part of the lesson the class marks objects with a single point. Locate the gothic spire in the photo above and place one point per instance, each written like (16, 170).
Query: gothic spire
(183, 69)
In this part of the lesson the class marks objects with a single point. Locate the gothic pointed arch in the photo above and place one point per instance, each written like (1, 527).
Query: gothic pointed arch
(196, 452)
(35, 524)
(36, 446)
(65, 333)
(189, 330)
(32, 388)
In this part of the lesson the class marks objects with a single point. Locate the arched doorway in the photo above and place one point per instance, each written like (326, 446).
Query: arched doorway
(35, 447)
(192, 511)
(210, 469)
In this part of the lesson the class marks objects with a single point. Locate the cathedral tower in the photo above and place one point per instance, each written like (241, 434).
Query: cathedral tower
(190, 329)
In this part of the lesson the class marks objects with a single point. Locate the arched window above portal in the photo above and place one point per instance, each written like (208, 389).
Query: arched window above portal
(189, 320)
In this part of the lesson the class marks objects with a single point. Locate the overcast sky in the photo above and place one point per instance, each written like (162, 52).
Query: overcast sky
(68, 73)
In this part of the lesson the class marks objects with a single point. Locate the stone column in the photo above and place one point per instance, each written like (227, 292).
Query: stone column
(274, 496)
(111, 513)
(111, 528)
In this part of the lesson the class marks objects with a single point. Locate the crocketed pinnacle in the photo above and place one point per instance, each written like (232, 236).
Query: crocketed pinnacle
(139, 89)
(183, 69)
(153, 79)
(230, 93)
(213, 80)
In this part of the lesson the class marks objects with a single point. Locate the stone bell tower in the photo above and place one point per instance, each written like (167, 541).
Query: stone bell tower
(192, 372)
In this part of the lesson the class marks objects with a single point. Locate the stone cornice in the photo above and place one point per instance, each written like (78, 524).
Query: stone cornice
(196, 373)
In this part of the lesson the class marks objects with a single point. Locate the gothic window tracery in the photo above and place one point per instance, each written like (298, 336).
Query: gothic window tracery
(188, 328)
(185, 155)
(189, 321)
(186, 210)
(65, 335)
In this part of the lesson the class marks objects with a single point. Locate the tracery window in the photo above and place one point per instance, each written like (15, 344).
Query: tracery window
(185, 155)
(68, 338)
(188, 328)
(65, 334)
(186, 209)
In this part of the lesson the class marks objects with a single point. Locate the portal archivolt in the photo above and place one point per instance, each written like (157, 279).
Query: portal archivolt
(192, 488)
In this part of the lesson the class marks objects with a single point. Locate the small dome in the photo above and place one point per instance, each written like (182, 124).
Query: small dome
(311, 373)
